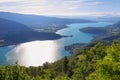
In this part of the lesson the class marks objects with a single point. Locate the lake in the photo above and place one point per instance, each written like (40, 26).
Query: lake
(35, 53)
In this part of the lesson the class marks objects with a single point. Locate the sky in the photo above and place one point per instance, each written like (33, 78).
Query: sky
(62, 7)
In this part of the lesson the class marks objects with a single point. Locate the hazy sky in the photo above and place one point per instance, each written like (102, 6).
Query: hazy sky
(62, 7)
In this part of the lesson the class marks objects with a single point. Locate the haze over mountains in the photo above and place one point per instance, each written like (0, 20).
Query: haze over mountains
(14, 25)
(18, 28)
(112, 19)
(59, 39)
(37, 20)
(12, 32)
(105, 18)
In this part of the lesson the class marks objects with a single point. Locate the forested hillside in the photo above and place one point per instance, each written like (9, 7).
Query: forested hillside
(11, 27)
(109, 32)
(12, 32)
(100, 62)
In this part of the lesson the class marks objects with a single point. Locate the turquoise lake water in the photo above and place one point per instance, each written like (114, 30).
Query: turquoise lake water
(35, 53)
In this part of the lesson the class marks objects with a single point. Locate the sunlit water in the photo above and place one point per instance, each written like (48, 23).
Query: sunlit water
(36, 53)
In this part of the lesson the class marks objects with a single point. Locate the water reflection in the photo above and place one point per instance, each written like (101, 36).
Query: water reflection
(34, 53)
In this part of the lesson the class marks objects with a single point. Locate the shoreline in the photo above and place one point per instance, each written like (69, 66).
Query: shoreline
(55, 32)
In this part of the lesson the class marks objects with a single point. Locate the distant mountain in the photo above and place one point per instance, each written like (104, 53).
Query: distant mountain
(12, 32)
(106, 18)
(11, 27)
(109, 18)
(36, 20)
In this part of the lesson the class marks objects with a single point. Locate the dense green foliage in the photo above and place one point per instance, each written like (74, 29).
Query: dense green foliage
(99, 62)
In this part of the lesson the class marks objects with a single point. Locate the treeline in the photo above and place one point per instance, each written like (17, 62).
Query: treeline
(100, 62)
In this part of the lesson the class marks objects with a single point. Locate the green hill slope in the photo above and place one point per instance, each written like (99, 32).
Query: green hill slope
(100, 62)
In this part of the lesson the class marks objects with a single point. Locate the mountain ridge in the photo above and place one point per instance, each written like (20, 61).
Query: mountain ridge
(36, 20)
(12, 32)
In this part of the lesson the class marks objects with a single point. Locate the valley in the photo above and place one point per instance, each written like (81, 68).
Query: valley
(59, 40)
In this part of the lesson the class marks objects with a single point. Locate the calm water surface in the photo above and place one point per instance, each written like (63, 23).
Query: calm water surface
(36, 53)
